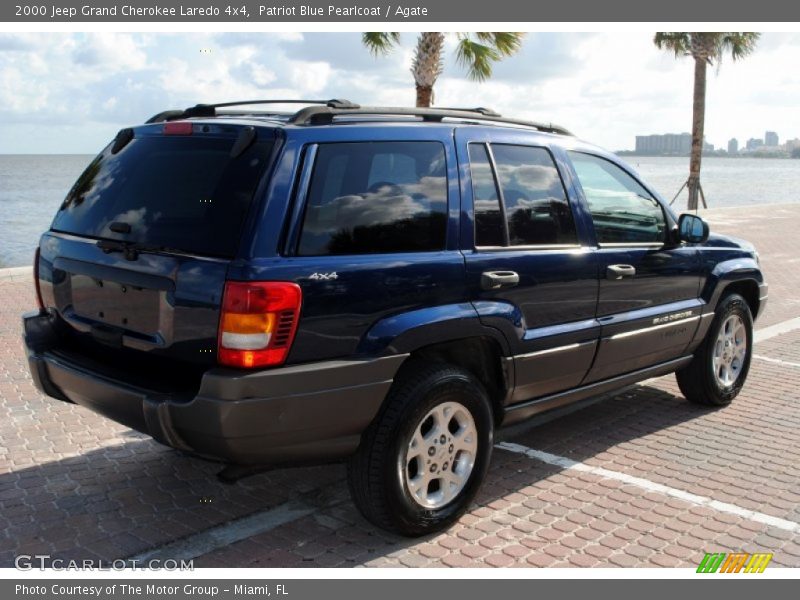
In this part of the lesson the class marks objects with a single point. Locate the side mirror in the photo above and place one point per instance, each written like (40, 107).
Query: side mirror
(692, 229)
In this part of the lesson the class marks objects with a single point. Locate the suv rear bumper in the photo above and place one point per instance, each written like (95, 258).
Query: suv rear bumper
(301, 413)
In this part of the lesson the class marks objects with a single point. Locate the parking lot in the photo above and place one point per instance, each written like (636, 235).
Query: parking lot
(640, 478)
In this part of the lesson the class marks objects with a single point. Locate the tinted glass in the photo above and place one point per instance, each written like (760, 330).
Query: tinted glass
(376, 197)
(488, 218)
(183, 192)
(536, 204)
(622, 210)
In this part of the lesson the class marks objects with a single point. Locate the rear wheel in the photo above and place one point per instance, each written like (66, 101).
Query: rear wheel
(721, 363)
(424, 458)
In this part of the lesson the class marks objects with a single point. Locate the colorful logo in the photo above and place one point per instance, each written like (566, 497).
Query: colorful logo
(734, 563)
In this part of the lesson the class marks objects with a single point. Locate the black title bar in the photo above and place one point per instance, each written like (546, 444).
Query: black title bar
(457, 11)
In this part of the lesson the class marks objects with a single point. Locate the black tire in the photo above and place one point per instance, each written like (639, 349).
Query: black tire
(376, 474)
(698, 381)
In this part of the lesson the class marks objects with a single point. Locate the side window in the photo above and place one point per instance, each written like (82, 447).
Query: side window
(488, 217)
(375, 198)
(534, 209)
(622, 210)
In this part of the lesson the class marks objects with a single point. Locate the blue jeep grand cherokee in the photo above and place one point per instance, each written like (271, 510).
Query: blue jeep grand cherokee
(382, 285)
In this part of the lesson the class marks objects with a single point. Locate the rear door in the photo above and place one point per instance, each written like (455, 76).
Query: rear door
(136, 259)
(649, 306)
(527, 270)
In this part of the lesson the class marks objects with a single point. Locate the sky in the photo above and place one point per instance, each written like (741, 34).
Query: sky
(71, 92)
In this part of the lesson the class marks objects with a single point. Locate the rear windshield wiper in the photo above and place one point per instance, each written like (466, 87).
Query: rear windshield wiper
(131, 250)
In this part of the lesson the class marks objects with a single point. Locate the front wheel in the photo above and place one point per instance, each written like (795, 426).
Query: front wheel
(424, 458)
(721, 363)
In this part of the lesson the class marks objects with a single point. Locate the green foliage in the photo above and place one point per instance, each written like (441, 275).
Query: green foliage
(476, 52)
(380, 42)
(711, 46)
(477, 55)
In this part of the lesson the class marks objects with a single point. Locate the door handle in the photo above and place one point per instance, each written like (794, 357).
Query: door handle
(495, 280)
(620, 271)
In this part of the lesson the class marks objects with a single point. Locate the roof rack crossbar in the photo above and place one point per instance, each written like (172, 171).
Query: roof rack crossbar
(209, 110)
(323, 115)
(333, 103)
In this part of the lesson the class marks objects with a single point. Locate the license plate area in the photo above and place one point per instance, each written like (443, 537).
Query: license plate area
(122, 305)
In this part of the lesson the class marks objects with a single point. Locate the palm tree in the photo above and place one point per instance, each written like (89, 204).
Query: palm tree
(475, 51)
(705, 48)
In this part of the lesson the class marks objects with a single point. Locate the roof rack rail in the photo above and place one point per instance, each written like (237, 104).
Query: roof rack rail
(488, 112)
(324, 115)
(210, 110)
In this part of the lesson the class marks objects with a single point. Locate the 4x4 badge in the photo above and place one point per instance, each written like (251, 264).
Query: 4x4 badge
(324, 276)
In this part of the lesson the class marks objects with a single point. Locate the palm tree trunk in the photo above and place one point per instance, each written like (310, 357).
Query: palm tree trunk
(427, 65)
(424, 96)
(698, 126)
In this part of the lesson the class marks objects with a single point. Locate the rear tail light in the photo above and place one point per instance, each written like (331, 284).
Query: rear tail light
(258, 323)
(36, 285)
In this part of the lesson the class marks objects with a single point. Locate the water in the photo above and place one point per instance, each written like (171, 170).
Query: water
(725, 181)
(33, 186)
(31, 189)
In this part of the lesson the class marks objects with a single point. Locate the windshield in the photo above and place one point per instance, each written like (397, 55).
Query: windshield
(182, 192)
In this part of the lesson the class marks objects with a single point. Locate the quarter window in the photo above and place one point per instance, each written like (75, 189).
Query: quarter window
(534, 208)
(376, 197)
(622, 210)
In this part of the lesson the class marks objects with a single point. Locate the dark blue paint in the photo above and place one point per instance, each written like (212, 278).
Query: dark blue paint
(397, 303)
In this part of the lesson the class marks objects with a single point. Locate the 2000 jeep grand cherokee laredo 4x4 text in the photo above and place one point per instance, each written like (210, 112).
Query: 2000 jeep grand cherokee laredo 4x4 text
(382, 285)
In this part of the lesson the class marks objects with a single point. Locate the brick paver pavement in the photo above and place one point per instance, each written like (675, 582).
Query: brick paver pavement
(77, 486)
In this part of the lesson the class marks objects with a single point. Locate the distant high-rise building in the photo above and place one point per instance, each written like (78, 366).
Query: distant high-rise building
(754, 143)
(770, 138)
(669, 143)
(733, 146)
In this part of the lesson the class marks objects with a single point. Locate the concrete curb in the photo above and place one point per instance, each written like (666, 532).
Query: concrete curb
(16, 274)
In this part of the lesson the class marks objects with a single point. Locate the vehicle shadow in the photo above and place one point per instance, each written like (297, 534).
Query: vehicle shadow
(119, 501)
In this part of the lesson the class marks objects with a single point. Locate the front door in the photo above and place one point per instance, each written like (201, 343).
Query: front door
(526, 268)
(649, 305)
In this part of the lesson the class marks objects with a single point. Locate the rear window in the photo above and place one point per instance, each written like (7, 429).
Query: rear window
(184, 192)
(376, 197)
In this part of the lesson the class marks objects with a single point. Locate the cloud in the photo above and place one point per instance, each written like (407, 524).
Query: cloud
(117, 50)
(71, 92)
(10, 42)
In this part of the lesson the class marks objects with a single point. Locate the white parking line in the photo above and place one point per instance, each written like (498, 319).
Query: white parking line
(218, 537)
(16, 273)
(651, 486)
(774, 330)
(777, 361)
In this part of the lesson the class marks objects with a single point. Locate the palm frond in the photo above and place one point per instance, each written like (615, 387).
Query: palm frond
(676, 41)
(506, 43)
(477, 58)
(380, 43)
(478, 54)
(738, 44)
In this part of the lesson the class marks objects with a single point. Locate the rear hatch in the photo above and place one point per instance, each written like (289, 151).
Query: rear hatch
(135, 262)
